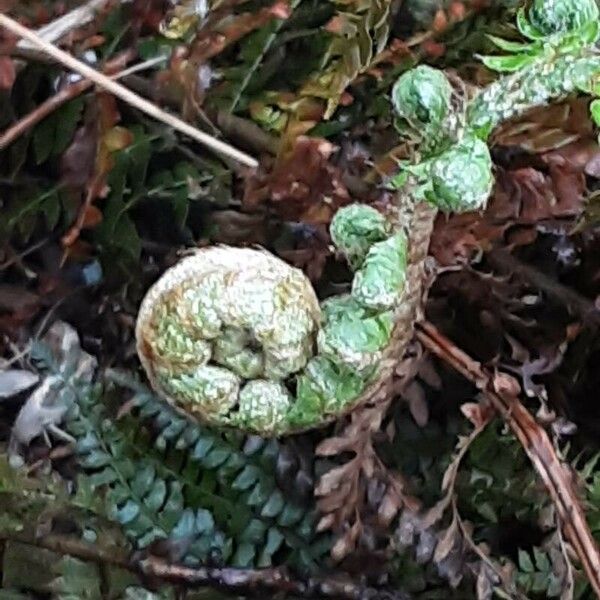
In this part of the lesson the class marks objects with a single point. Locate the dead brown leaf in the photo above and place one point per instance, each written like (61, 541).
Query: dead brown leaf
(148, 14)
(18, 307)
(77, 161)
(522, 198)
(479, 413)
(346, 543)
(234, 227)
(414, 394)
(548, 128)
(549, 183)
(359, 498)
(303, 186)
(7, 73)
(91, 152)
(447, 541)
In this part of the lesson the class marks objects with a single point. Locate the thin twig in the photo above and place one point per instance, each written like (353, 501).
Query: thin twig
(18, 257)
(82, 15)
(126, 94)
(46, 319)
(268, 580)
(555, 475)
(246, 132)
(274, 579)
(58, 452)
(19, 354)
(65, 94)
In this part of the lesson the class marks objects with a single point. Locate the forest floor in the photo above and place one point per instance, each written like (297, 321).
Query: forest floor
(478, 478)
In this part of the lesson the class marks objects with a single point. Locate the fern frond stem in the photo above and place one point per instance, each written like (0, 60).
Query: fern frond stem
(64, 545)
(273, 580)
(127, 95)
(555, 475)
(549, 78)
(508, 587)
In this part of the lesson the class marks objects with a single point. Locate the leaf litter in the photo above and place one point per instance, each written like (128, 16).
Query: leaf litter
(415, 493)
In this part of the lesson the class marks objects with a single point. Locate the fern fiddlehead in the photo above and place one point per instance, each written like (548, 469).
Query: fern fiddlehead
(237, 337)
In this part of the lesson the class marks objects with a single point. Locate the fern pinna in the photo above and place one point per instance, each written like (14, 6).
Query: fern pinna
(212, 497)
(212, 493)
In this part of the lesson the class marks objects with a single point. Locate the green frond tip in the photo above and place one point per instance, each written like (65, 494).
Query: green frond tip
(380, 281)
(263, 405)
(206, 388)
(232, 350)
(461, 177)
(422, 96)
(172, 340)
(562, 16)
(325, 387)
(355, 228)
(352, 335)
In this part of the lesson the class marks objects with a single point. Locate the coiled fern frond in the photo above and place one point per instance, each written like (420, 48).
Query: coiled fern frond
(236, 337)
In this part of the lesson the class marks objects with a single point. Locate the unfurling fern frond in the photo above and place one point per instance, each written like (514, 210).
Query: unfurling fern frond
(235, 337)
